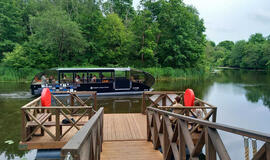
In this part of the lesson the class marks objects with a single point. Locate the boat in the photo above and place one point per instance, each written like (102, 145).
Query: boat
(105, 81)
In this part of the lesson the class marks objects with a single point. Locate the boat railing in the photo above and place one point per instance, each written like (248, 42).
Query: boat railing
(39, 119)
(86, 144)
(174, 138)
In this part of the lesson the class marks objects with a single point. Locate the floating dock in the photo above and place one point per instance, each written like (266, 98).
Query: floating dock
(150, 134)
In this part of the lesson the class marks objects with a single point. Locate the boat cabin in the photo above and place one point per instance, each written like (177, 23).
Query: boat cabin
(103, 80)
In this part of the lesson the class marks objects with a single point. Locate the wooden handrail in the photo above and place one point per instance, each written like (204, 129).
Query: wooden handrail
(235, 130)
(87, 142)
(59, 107)
(174, 137)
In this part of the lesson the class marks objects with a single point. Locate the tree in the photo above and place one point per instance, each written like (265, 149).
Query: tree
(58, 34)
(11, 29)
(226, 44)
(113, 42)
(181, 40)
(146, 32)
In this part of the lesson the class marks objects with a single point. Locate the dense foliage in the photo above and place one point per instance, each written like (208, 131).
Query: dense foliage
(43, 34)
(251, 54)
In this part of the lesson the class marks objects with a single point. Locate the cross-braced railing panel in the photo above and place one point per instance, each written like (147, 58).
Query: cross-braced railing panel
(174, 139)
(38, 118)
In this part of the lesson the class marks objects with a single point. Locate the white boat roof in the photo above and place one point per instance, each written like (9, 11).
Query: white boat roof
(93, 69)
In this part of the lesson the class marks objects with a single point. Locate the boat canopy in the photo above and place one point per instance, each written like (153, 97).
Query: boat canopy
(133, 75)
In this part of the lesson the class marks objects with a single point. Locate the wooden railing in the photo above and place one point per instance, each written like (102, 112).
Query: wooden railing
(174, 138)
(165, 100)
(87, 143)
(92, 95)
(36, 118)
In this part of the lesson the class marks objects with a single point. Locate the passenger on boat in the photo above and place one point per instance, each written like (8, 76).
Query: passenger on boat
(51, 80)
(83, 78)
(94, 79)
(77, 79)
(36, 79)
(101, 76)
(65, 79)
(43, 79)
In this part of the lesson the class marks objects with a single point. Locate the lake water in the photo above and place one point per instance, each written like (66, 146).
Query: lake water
(242, 98)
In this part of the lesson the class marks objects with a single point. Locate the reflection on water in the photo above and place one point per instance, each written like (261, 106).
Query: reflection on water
(242, 98)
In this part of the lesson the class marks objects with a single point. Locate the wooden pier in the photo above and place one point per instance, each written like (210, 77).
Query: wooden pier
(146, 135)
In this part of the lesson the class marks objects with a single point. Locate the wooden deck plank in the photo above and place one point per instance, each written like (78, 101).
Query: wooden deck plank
(117, 127)
(130, 150)
(122, 127)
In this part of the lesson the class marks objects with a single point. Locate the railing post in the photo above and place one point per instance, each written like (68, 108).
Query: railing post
(210, 151)
(267, 150)
(164, 99)
(24, 134)
(57, 119)
(143, 104)
(214, 115)
(148, 127)
(182, 143)
(95, 101)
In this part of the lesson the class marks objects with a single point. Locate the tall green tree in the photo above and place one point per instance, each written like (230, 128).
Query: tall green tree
(181, 40)
(11, 29)
(58, 34)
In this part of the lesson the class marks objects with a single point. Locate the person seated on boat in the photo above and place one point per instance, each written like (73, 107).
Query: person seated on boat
(94, 79)
(36, 80)
(65, 79)
(43, 79)
(89, 78)
(132, 79)
(51, 80)
(77, 79)
(101, 76)
(83, 78)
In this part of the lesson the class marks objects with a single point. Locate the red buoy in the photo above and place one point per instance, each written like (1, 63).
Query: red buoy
(46, 97)
(189, 97)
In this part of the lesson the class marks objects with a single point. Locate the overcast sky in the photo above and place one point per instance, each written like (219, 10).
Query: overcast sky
(232, 19)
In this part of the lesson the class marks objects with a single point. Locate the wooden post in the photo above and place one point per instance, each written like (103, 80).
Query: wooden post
(95, 101)
(57, 119)
(71, 102)
(148, 127)
(23, 126)
(182, 143)
(214, 115)
(210, 151)
(164, 99)
(143, 104)
(267, 151)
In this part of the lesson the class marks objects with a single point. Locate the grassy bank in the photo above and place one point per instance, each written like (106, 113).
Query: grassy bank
(27, 74)
(20, 75)
(170, 73)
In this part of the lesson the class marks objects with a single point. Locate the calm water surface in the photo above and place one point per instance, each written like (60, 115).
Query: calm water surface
(242, 98)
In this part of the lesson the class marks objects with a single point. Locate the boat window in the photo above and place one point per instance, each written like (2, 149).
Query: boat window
(66, 77)
(142, 77)
(122, 74)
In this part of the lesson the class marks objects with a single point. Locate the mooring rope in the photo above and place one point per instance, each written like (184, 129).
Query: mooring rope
(246, 144)
(254, 146)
